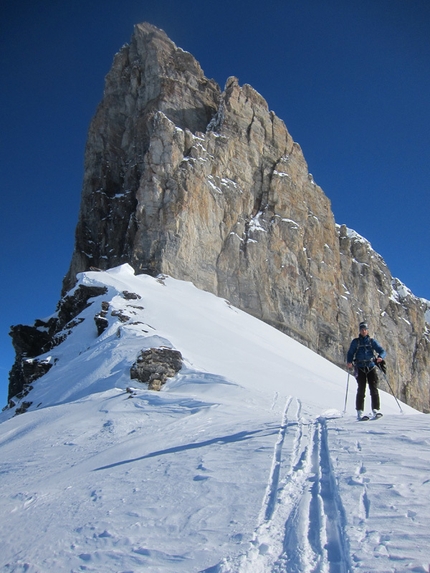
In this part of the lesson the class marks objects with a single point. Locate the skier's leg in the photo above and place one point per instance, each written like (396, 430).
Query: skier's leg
(372, 379)
(361, 390)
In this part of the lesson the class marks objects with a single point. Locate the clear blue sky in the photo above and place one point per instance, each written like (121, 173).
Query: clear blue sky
(350, 78)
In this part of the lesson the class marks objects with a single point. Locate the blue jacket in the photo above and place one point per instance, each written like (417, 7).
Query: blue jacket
(362, 350)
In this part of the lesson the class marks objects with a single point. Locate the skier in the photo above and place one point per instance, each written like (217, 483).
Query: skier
(361, 354)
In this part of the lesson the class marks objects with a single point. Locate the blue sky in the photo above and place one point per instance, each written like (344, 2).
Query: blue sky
(349, 78)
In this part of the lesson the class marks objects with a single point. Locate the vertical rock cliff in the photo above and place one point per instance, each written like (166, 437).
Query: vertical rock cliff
(210, 187)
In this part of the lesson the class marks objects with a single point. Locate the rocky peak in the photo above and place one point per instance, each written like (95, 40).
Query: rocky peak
(147, 76)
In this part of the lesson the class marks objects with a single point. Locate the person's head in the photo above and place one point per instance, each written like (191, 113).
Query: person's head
(363, 328)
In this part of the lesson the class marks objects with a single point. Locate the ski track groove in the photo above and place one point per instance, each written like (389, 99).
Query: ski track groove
(269, 502)
(301, 525)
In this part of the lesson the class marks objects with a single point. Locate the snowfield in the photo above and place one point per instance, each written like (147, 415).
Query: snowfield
(243, 462)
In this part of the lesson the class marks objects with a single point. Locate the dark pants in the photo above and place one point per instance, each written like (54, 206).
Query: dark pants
(370, 378)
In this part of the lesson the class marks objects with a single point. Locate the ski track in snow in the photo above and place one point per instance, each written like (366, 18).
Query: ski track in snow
(301, 523)
(336, 502)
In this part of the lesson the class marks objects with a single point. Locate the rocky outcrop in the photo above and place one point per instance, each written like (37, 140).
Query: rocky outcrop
(210, 187)
(29, 342)
(155, 366)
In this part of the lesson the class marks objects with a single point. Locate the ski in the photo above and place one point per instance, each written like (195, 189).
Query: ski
(377, 416)
(364, 418)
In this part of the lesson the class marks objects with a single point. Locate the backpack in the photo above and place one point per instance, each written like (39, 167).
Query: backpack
(381, 365)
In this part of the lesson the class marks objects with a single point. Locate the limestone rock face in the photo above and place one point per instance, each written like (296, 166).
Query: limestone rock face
(149, 75)
(398, 318)
(210, 187)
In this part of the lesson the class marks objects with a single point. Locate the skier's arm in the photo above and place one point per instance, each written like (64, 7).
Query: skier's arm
(378, 348)
(351, 352)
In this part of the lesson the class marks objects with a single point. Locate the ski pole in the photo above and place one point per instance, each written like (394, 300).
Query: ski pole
(346, 395)
(389, 386)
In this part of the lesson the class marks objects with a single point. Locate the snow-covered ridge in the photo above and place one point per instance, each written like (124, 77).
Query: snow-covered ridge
(172, 313)
(354, 235)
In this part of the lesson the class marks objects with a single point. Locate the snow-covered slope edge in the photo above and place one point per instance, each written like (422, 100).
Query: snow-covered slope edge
(241, 462)
(212, 336)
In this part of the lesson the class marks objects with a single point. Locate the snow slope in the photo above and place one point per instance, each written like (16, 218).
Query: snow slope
(242, 463)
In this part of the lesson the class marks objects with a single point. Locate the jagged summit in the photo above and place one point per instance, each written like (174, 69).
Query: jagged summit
(210, 187)
(148, 76)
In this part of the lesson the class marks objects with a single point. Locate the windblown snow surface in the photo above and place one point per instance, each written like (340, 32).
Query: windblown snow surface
(244, 462)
